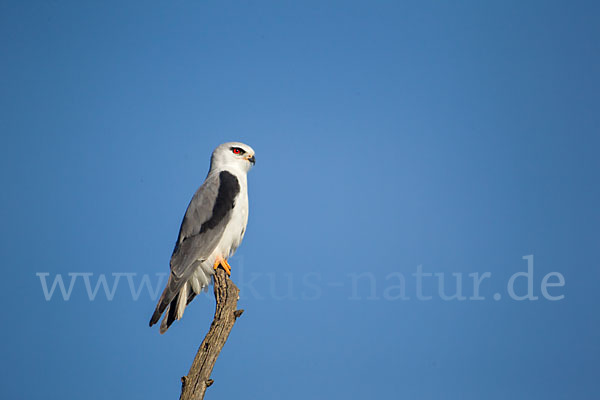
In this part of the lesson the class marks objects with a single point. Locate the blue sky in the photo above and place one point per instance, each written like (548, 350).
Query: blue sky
(455, 136)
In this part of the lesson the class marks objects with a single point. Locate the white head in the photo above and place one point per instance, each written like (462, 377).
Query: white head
(233, 155)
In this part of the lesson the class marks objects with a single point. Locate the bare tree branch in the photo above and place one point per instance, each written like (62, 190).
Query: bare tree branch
(193, 386)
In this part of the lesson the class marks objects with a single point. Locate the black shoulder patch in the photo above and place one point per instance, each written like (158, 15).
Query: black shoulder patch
(229, 187)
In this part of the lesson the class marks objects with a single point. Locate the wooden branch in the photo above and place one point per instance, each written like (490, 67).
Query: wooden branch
(193, 386)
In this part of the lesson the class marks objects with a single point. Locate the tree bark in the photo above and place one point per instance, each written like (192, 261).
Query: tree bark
(194, 385)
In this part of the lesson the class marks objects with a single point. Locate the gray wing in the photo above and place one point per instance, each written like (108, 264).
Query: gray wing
(204, 222)
(202, 227)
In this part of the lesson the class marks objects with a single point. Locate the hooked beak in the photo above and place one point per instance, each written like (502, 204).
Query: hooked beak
(251, 159)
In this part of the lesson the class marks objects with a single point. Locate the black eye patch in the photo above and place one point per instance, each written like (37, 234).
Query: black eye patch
(237, 150)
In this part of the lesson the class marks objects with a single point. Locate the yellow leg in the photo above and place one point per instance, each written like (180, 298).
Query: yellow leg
(224, 264)
(226, 267)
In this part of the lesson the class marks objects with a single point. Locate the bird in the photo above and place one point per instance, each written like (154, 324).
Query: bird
(212, 229)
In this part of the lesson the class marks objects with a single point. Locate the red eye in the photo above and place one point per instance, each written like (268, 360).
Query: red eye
(237, 150)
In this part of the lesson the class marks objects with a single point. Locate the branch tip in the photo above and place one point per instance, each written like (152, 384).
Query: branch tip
(195, 383)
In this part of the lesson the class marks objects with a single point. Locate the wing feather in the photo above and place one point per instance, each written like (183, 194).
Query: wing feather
(204, 222)
(202, 227)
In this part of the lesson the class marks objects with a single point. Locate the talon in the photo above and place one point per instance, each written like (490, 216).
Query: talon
(226, 267)
(224, 264)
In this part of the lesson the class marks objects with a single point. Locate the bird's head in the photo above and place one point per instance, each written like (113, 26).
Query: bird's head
(233, 155)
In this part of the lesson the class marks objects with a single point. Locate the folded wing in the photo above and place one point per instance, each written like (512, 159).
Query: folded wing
(201, 230)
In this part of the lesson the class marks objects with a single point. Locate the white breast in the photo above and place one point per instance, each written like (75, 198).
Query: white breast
(231, 239)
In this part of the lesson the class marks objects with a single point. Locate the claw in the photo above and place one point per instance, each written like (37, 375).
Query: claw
(224, 264)
(226, 267)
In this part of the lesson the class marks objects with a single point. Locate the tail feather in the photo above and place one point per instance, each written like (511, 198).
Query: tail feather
(170, 316)
(165, 299)
(176, 308)
(176, 296)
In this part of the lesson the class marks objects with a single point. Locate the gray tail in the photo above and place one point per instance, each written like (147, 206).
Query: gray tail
(174, 308)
